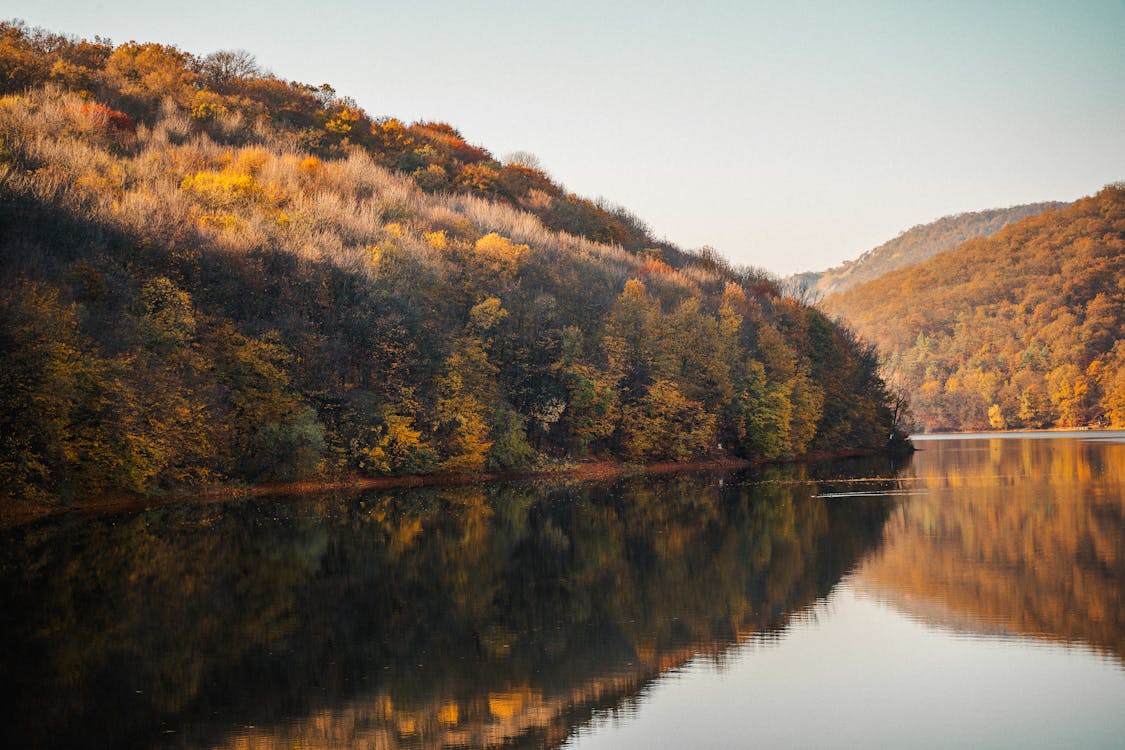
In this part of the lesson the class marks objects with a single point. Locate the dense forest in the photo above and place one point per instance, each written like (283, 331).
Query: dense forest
(1019, 330)
(915, 245)
(210, 274)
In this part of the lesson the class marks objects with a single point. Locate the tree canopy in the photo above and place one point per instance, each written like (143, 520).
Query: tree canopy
(1022, 329)
(210, 274)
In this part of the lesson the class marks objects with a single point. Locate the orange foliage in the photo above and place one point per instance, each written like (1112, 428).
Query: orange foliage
(1025, 321)
(150, 71)
(343, 121)
(655, 266)
(224, 189)
(478, 177)
(450, 141)
(392, 135)
(114, 120)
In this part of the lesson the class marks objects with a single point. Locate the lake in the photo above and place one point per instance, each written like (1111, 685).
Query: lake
(972, 595)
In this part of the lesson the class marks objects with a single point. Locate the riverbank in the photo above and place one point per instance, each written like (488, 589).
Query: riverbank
(15, 511)
(1049, 432)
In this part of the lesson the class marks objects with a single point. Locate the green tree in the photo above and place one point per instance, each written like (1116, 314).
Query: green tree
(763, 414)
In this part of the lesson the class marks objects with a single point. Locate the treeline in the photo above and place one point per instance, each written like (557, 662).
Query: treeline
(1019, 330)
(917, 244)
(199, 295)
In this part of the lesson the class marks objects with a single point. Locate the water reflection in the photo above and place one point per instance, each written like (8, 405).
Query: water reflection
(466, 617)
(1011, 537)
(525, 614)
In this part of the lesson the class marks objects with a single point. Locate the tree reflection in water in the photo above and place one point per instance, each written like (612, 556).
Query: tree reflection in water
(1009, 536)
(470, 616)
(510, 614)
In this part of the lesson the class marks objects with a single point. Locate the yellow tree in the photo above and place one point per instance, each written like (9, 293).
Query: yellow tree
(665, 425)
(1068, 388)
(474, 426)
(634, 343)
(151, 72)
(696, 351)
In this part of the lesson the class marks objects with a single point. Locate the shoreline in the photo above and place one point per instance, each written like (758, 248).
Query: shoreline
(1045, 432)
(15, 511)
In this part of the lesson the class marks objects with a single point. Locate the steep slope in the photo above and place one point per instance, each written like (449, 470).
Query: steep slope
(915, 245)
(1022, 329)
(203, 287)
(227, 90)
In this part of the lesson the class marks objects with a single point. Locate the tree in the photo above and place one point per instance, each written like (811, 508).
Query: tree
(273, 434)
(509, 449)
(150, 72)
(1068, 389)
(42, 374)
(224, 66)
(633, 343)
(21, 65)
(664, 424)
(397, 448)
(460, 421)
(695, 349)
(1035, 409)
(763, 414)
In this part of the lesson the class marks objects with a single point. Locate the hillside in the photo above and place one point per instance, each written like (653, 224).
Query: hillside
(212, 275)
(1023, 329)
(916, 245)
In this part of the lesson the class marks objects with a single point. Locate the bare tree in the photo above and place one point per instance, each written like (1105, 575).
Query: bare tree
(226, 65)
(524, 159)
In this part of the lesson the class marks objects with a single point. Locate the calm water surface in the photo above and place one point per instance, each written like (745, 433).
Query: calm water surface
(973, 596)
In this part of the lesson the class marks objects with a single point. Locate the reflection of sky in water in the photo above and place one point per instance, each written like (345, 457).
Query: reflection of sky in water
(871, 493)
(973, 597)
(989, 617)
(855, 672)
(1107, 435)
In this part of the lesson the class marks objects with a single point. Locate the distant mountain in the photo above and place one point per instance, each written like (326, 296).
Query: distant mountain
(915, 245)
(1023, 329)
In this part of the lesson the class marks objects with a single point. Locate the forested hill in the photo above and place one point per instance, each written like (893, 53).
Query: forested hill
(1024, 329)
(209, 274)
(916, 245)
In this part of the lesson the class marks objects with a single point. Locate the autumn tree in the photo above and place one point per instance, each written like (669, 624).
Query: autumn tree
(664, 424)
(150, 72)
(222, 67)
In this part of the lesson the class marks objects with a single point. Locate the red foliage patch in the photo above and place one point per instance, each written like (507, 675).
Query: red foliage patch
(114, 120)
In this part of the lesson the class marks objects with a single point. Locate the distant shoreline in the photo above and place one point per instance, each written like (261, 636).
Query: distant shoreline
(1044, 433)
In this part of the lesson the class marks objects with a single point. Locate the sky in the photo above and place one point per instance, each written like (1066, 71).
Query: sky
(787, 135)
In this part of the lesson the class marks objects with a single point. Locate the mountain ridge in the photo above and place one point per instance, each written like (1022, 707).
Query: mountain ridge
(1020, 329)
(914, 245)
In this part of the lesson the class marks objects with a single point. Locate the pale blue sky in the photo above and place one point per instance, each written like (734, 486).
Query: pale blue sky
(787, 135)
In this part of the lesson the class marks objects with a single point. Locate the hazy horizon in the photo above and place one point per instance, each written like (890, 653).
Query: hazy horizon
(789, 138)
